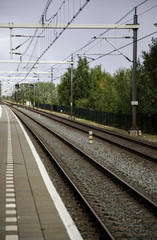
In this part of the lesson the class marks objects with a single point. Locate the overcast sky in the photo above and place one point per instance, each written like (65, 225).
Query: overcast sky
(95, 12)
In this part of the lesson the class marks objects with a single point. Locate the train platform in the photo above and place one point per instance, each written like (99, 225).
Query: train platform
(30, 207)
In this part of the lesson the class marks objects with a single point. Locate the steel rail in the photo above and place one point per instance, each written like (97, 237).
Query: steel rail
(98, 165)
(68, 122)
(138, 196)
(108, 235)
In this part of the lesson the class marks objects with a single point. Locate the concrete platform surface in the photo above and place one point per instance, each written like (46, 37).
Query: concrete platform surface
(30, 207)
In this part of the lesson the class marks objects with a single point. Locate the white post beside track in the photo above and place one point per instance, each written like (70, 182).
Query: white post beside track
(90, 137)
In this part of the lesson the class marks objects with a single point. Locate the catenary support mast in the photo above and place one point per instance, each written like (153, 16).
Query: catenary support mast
(134, 103)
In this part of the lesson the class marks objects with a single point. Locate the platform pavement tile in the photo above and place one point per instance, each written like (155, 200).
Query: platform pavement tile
(20, 172)
(27, 196)
(28, 226)
(44, 204)
(2, 234)
(2, 186)
(2, 212)
(28, 220)
(25, 204)
(23, 197)
(34, 175)
(42, 195)
(48, 214)
(54, 230)
(45, 210)
(49, 225)
(60, 236)
(30, 233)
(2, 201)
(34, 238)
(11, 237)
(2, 222)
(20, 169)
(22, 189)
(25, 213)
(20, 179)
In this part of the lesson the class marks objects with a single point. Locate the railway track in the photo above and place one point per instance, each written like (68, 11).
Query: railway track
(121, 211)
(135, 145)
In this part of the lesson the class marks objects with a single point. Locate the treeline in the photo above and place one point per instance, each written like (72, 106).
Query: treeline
(38, 92)
(96, 89)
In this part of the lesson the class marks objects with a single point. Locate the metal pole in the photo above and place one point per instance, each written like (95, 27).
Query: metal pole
(23, 93)
(29, 95)
(33, 95)
(11, 43)
(134, 101)
(52, 89)
(0, 93)
(71, 105)
(15, 95)
(38, 85)
(38, 91)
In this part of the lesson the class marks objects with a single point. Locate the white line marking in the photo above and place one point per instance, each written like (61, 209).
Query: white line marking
(10, 186)
(9, 190)
(10, 200)
(11, 219)
(10, 212)
(9, 178)
(9, 175)
(10, 205)
(11, 228)
(11, 237)
(9, 172)
(10, 194)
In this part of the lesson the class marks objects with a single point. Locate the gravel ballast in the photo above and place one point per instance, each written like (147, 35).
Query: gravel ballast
(137, 171)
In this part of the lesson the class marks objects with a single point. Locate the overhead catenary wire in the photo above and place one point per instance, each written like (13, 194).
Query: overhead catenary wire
(97, 41)
(119, 48)
(82, 6)
(57, 36)
(63, 3)
(126, 45)
(101, 34)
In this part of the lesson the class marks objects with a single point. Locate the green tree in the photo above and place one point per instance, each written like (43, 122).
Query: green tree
(147, 80)
(102, 92)
(96, 76)
(64, 89)
(82, 83)
(44, 93)
(123, 88)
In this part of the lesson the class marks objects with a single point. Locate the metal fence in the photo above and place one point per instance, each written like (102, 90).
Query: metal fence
(148, 124)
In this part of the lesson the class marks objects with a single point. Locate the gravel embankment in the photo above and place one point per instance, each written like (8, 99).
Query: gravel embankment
(137, 171)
